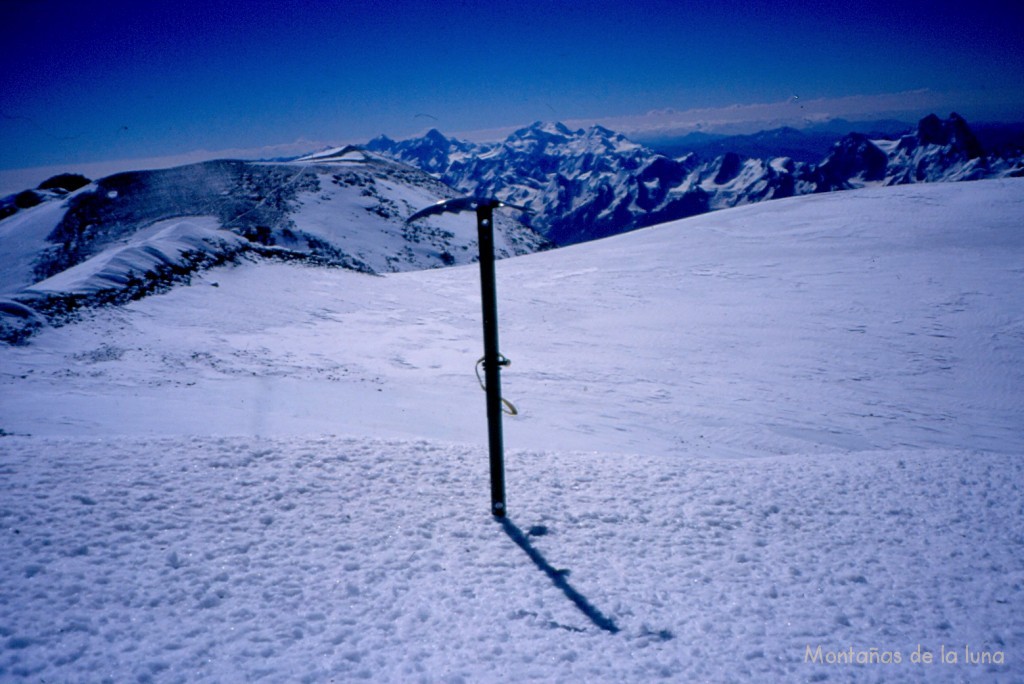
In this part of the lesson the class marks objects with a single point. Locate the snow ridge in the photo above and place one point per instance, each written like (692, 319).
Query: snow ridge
(127, 235)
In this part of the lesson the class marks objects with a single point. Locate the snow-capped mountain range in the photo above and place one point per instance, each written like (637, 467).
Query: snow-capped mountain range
(590, 183)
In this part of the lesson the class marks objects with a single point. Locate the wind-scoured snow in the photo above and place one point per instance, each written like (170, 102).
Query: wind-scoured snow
(23, 237)
(164, 244)
(774, 443)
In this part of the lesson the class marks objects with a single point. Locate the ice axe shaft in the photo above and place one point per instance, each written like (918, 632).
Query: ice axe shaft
(492, 368)
(493, 360)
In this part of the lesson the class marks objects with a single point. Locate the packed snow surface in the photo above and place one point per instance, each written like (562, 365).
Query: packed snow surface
(775, 443)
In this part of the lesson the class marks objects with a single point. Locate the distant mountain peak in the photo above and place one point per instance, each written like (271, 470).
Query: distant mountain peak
(436, 136)
(543, 130)
(853, 157)
(953, 132)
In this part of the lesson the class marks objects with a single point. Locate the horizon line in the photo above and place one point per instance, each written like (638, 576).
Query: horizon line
(732, 119)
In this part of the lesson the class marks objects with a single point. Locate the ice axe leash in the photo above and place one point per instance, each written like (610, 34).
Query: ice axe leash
(506, 406)
(492, 360)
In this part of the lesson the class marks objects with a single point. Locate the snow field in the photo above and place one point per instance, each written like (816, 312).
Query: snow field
(874, 319)
(745, 436)
(344, 559)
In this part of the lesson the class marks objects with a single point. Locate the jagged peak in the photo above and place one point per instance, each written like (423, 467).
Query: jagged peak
(546, 129)
(436, 136)
(729, 166)
(602, 131)
(606, 134)
(931, 130)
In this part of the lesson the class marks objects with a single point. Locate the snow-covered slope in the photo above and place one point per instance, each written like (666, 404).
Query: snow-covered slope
(742, 437)
(134, 233)
(587, 184)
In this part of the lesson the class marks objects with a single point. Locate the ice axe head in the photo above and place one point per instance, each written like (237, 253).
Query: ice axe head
(459, 204)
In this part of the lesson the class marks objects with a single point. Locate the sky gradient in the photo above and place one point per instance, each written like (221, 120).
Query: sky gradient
(111, 80)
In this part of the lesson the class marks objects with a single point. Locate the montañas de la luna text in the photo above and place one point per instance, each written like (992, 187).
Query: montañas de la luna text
(878, 656)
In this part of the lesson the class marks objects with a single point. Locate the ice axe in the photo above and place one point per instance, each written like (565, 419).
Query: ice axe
(492, 360)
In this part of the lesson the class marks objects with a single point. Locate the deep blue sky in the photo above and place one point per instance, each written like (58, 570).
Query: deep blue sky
(86, 81)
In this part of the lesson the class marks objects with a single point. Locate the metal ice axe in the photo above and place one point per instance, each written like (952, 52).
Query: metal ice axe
(493, 360)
